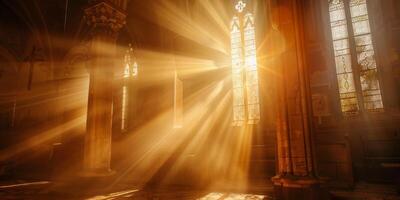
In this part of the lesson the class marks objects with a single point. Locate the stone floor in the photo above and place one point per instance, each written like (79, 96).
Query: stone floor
(43, 190)
(364, 191)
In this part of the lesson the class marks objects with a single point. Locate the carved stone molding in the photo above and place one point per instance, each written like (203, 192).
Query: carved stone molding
(104, 17)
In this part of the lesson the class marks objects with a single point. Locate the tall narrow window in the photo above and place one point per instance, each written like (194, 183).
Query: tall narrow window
(356, 67)
(178, 102)
(124, 113)
(246, 107)
(365, 56)
(130, 71)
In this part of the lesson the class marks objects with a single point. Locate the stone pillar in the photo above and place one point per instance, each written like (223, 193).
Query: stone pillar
(105, 19)
(295, 177)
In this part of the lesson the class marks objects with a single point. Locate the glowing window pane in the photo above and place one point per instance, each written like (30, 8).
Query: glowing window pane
(124, 113)
(347, 89)
(131, 66)
(238, 98)
(366, 56)
(251, 70)
(127, 71)
(237, 72)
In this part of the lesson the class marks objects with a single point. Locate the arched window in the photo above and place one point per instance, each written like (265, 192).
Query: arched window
(246, 105)
(356, 66)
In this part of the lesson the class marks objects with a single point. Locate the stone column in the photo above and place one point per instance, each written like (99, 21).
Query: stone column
(105, 18)
(295, 177)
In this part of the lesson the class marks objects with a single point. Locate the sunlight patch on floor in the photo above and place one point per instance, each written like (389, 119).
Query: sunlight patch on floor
(225, 196)
(24, 184)
(126, 194)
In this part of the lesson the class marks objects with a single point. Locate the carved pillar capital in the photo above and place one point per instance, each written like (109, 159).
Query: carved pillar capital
(105, 17)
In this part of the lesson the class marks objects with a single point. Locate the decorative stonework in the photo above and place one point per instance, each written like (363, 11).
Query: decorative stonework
(240, 6)
(104, 17)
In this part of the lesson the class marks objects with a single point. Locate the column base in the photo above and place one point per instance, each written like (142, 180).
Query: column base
(299, 188)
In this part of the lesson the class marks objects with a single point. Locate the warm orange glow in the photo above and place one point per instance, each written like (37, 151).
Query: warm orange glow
(188, 96)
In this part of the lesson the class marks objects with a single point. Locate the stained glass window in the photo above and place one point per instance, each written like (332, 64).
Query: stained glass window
(370, 87)
(246, 106)
(365, 72)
